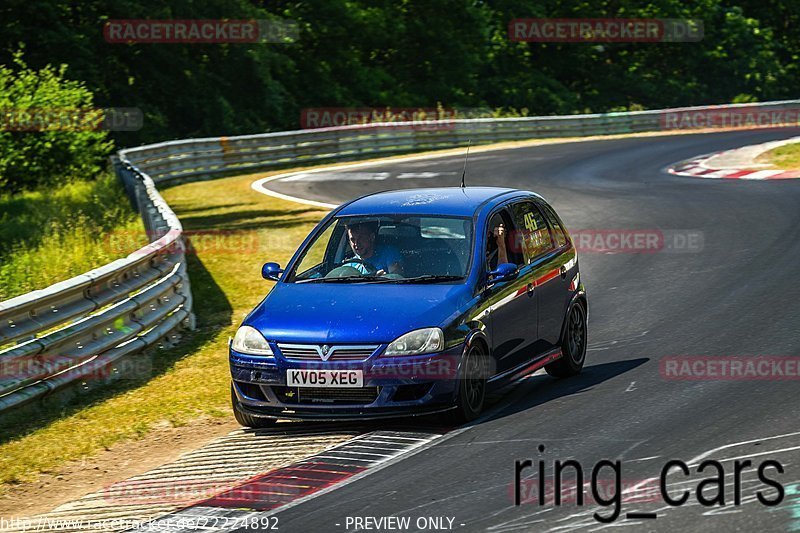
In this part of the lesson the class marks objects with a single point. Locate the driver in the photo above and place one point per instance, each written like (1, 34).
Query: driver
(385, 259)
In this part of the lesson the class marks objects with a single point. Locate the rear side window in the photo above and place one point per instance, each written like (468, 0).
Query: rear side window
(533, 237)
(559, 233)
(513, 252)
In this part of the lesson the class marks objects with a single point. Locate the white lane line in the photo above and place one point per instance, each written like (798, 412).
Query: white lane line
(346, 452)
(637, 486)
(749, 455)
(422, 175)
(388, 449)
(702, 456)
(342, 176)
(398, 437)
(367, 453)
(256, 186)
(259, 185)
(380, 442)
(344, 458)
(644, 459)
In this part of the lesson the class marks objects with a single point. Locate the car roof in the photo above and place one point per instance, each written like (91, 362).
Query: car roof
(454, 201)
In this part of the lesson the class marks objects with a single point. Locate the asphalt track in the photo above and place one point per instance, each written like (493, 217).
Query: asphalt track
(736, 296)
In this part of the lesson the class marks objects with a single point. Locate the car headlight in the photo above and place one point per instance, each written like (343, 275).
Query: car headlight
(417, 342)
(248, 340)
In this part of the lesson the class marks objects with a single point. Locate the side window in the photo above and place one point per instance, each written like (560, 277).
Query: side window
(494, 256)
(532, 237)
(559, 233)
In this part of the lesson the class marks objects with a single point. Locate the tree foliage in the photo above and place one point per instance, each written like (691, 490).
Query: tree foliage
(48, 135)
(402, 53)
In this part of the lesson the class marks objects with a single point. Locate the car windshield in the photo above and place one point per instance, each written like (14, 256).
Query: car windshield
(387, 249)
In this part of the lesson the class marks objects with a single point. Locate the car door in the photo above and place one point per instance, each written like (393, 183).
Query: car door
(567, 264)
(543, 265)
(511, 313)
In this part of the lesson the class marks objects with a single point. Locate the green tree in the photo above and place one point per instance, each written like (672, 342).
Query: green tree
(48, 128)
(409, 53)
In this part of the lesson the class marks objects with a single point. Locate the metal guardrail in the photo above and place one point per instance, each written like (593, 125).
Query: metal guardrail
(225, 155)
(76, 328)
(81, 328)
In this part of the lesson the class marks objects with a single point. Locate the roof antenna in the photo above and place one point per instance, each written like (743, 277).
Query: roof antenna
(464, 173)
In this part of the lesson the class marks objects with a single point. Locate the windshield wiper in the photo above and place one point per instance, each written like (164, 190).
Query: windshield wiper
(343, 279)
(428, 279)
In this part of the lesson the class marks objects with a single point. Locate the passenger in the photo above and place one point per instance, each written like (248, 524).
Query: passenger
(496, 252)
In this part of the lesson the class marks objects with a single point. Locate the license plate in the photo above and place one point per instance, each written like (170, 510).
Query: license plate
(296, 377)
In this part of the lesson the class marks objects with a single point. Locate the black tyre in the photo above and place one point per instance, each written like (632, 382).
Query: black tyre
(247, 420)
(573, 344)
(472, 387)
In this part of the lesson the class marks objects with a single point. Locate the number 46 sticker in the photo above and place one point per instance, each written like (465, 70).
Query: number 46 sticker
(530, 222)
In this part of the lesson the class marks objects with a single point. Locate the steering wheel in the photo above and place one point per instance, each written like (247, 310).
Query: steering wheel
(371, 270)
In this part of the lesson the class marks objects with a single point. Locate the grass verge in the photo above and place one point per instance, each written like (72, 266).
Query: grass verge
(234, 230)
(786, 157)
(51, 235)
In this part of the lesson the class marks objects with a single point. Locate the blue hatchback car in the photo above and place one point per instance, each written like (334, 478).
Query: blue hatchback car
(412, 302)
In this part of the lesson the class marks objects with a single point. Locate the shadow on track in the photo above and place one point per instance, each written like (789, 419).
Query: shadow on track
(540, 389)
(522, 395)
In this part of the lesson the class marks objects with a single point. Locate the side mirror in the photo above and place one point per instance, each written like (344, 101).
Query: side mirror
(271, 271)
(503, 272)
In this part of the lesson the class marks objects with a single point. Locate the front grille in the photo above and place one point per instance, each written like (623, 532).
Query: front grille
(314, 352)
(327, 395)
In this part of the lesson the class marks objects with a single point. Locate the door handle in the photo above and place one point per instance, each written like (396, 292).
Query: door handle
(531, 288)
(563, 271)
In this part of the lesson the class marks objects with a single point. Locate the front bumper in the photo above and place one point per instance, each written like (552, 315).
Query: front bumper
(393, 386)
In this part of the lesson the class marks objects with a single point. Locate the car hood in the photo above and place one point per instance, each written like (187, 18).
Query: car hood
(353, 313)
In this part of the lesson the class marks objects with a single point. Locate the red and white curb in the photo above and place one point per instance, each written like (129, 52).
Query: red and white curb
(699, 168)
(221, 466)
(250, 505)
